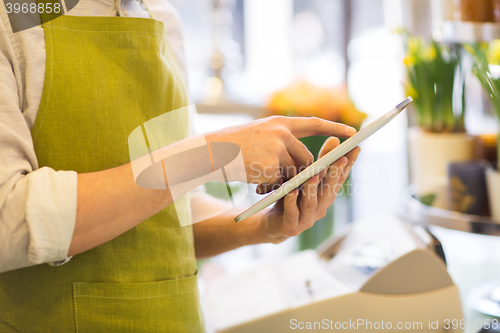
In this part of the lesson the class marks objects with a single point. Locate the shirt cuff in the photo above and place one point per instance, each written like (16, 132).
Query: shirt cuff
(59, 263)
(51, 214)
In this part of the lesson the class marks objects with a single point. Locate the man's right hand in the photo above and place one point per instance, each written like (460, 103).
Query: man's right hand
(270, 147)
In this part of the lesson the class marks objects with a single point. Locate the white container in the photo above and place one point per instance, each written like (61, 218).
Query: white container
(493, 185)
(430, 154)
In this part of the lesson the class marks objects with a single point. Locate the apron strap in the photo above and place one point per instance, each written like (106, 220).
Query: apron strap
(57, 9)
(147, 8)
(119, 7)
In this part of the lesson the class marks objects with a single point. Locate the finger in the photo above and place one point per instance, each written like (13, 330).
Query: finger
(328, 189)
(301, 156)
(288, 168)
(344, 173)
(336, 176)
(308, 126)
(268, 187)
(280, 204)
(308, 202)
(291, 213)
(352, 156)
(271, 178)
(328, 146)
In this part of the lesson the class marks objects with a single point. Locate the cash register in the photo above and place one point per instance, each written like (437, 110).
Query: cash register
(379, 274)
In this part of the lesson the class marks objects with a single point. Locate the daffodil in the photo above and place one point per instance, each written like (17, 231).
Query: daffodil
(429, 53)
(410, 91)
(431, 69)
(409, 60)
(493, 55)
(413, 45)
(399, 31)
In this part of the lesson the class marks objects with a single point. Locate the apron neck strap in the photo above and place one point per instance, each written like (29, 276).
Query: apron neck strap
(147, 8)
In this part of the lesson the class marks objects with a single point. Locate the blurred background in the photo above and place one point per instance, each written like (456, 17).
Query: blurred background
(239, 53)
(352, 61)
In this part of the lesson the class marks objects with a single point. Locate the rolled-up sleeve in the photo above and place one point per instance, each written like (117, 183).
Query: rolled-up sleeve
(37, 206)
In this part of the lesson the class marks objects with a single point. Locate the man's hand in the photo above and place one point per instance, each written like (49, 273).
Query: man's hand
(298, 210)
(271, 150)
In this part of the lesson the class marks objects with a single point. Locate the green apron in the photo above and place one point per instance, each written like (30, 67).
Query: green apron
(104, 77)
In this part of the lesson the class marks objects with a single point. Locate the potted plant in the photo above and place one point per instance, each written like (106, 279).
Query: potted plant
(439, 136)
(487, 70)
(303, 99)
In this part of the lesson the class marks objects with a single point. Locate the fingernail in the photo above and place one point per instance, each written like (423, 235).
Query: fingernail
(357, 153)
(351, 130)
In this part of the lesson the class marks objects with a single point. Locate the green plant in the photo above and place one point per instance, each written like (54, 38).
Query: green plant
(431, 70)
(487, 69)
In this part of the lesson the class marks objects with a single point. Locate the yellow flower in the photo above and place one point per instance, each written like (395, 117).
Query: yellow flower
(301, 98)
(352, 116)
(410, 91)
(409, 60)
(494, 53)
(484, 46)
(413, 45)
(430, 53)
(399, 31)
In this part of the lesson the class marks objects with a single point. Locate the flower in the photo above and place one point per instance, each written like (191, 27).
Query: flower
(430, 53)
(494, 53)
(414, 45)
(409, 60)
(410, 91)
(430, 69)
(398, 31)
(303, 99)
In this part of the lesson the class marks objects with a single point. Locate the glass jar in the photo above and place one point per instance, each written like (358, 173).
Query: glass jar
(476, 10)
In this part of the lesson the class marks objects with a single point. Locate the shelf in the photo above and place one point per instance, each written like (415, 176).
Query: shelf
(467, 32)
(422, 214)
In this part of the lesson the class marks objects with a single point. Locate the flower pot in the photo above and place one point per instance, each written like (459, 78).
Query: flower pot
(430, 154)
(493, 185)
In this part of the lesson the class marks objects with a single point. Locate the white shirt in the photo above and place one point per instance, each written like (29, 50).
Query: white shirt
(38, 205)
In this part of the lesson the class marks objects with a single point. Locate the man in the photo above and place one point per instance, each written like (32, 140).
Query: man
(70, 94)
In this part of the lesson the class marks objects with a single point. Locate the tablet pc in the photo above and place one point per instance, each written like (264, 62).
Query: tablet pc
(325, 161)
